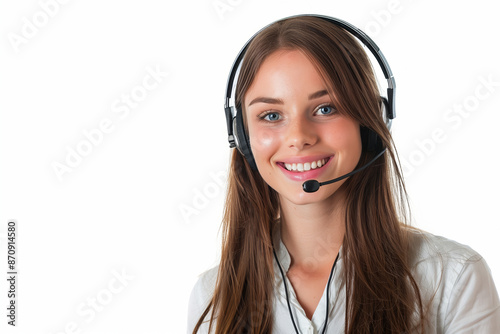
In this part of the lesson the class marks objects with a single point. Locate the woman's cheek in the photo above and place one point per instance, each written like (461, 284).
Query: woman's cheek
(347, 140)
(344, 138)
(264, 139)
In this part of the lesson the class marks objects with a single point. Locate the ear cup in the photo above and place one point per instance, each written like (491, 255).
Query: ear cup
(242, 142)
(368, 139)
(374, 143)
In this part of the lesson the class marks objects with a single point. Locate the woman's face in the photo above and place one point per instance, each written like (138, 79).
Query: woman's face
(295, 132)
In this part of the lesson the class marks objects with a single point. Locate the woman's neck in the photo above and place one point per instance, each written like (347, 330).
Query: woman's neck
(313, 233)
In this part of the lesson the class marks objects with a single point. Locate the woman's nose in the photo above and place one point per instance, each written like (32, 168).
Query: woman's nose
(301, 133)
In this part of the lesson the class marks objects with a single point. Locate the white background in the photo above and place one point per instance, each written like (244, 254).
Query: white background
(119, 209)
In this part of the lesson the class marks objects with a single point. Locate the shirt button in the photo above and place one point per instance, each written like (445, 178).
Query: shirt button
(310, 330)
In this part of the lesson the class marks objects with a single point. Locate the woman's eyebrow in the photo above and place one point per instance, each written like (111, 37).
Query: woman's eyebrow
(318, 94)
(272, 100)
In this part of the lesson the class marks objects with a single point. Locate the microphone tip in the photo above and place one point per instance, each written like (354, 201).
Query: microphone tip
(310, 186)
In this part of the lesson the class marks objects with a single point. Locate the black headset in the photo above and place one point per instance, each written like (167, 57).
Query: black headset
(237, 136)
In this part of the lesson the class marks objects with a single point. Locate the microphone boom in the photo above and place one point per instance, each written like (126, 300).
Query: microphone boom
(311, 186)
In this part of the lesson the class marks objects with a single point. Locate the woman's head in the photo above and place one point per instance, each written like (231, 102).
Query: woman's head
(288, 61)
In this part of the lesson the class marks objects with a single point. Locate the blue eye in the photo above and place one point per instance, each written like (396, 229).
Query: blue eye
(272, 117)
(325, 110)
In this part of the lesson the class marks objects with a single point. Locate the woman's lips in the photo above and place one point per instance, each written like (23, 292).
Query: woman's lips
(305, 169)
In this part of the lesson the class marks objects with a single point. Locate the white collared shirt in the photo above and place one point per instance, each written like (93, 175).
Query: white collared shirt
(465, 298)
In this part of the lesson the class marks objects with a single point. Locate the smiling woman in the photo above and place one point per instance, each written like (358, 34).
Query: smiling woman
(341, 259)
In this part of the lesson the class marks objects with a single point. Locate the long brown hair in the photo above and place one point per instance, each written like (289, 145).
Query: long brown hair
(382, 295)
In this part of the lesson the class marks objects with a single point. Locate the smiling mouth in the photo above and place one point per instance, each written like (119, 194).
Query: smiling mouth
(304, 167)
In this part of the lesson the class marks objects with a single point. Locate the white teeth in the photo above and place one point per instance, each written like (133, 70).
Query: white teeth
(300, 167)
